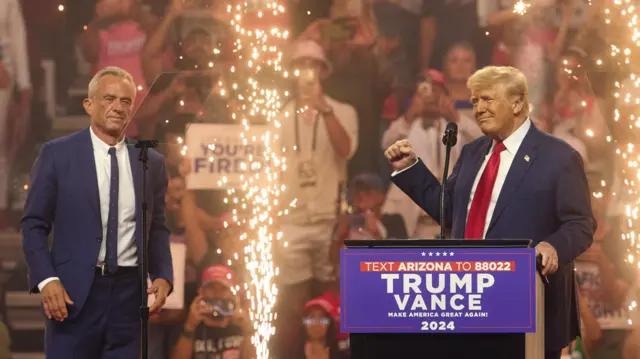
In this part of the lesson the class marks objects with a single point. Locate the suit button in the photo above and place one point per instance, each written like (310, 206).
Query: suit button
(99, 239)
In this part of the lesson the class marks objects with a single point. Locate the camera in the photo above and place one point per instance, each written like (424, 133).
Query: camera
(219, 308)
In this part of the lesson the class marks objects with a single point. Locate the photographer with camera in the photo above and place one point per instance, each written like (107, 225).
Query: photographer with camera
(217, 326)
(319, 135)
(423, 125)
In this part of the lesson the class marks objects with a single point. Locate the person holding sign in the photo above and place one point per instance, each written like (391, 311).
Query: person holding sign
(516, 182)
(86, 188)
(319, 135)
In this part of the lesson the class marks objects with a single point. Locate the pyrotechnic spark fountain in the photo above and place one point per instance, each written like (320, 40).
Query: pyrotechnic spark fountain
(623, 35)
(255, 76)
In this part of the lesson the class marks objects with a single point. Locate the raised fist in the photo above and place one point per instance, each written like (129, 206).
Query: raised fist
(400, 155)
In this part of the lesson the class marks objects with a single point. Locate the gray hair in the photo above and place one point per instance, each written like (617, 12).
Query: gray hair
(109, 70)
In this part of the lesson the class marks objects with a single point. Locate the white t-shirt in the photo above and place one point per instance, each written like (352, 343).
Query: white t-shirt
(312, 175)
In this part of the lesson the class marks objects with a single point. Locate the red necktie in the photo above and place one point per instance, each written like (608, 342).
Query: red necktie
(482, 197)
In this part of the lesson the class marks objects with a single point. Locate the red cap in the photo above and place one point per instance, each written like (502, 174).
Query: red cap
(218, 273)
(327, 302)
(437, 77)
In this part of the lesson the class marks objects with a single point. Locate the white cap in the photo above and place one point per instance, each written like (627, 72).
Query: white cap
(312, 50)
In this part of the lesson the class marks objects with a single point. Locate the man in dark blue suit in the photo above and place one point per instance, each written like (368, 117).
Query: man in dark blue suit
(86, 187)
(516, 182)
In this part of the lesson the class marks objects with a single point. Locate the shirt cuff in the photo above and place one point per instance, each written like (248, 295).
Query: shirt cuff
(397, 172)
(45, 282)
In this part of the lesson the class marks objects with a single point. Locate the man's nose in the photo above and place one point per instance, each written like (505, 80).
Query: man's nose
(117, 106)
(480, 107)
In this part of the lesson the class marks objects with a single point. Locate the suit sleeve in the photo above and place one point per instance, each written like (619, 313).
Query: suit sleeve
(37, 219)
(160, 262)
(573, 209)
(423, 188)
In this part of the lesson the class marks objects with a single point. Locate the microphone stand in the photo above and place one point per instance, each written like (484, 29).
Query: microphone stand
(144, 146)
(449, 139)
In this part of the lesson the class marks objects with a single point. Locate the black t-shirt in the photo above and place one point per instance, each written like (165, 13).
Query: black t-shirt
(218, 343)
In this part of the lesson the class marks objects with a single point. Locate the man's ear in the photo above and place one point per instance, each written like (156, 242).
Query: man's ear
(518, 106)
(88, 106)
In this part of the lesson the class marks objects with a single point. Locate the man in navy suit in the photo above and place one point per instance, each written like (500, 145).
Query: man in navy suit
(516, 182)
(86, 187)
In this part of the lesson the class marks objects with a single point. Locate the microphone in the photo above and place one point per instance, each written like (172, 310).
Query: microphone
(450, 137)
(449, 140)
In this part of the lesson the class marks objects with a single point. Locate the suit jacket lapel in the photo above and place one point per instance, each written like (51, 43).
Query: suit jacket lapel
(136, 173)
(88, 167)
(467, 177)
(521, 164)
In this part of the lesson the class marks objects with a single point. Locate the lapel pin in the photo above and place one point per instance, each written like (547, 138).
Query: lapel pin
(527, 158)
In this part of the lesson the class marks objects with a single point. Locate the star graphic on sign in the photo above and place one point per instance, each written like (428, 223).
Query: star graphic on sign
(430, 254)
(437, 254)
(450, 254)
(444, 254)
(423, 254)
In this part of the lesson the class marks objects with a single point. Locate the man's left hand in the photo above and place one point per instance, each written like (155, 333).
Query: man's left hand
(160, 289)
(549, 258)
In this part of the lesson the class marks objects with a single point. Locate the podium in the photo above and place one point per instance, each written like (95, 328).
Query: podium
(442, 299)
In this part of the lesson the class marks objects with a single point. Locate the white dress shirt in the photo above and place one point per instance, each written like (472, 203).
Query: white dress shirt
(512, 144)
(127, 248)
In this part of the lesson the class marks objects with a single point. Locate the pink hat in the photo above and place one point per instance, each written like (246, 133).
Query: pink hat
(218, 273)
(310, 49)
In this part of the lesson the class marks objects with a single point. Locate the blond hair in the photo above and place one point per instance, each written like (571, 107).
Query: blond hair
(511, 79)
(109, 70)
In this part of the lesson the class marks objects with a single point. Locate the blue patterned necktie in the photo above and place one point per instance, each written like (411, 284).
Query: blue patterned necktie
(112, 223)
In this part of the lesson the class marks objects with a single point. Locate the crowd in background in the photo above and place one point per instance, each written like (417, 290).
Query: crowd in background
(370, 72)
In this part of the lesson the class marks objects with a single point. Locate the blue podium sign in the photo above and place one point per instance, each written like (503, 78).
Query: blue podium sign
(462, 290)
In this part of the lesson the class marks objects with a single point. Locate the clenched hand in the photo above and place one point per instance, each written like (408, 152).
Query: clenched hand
(400, 155)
